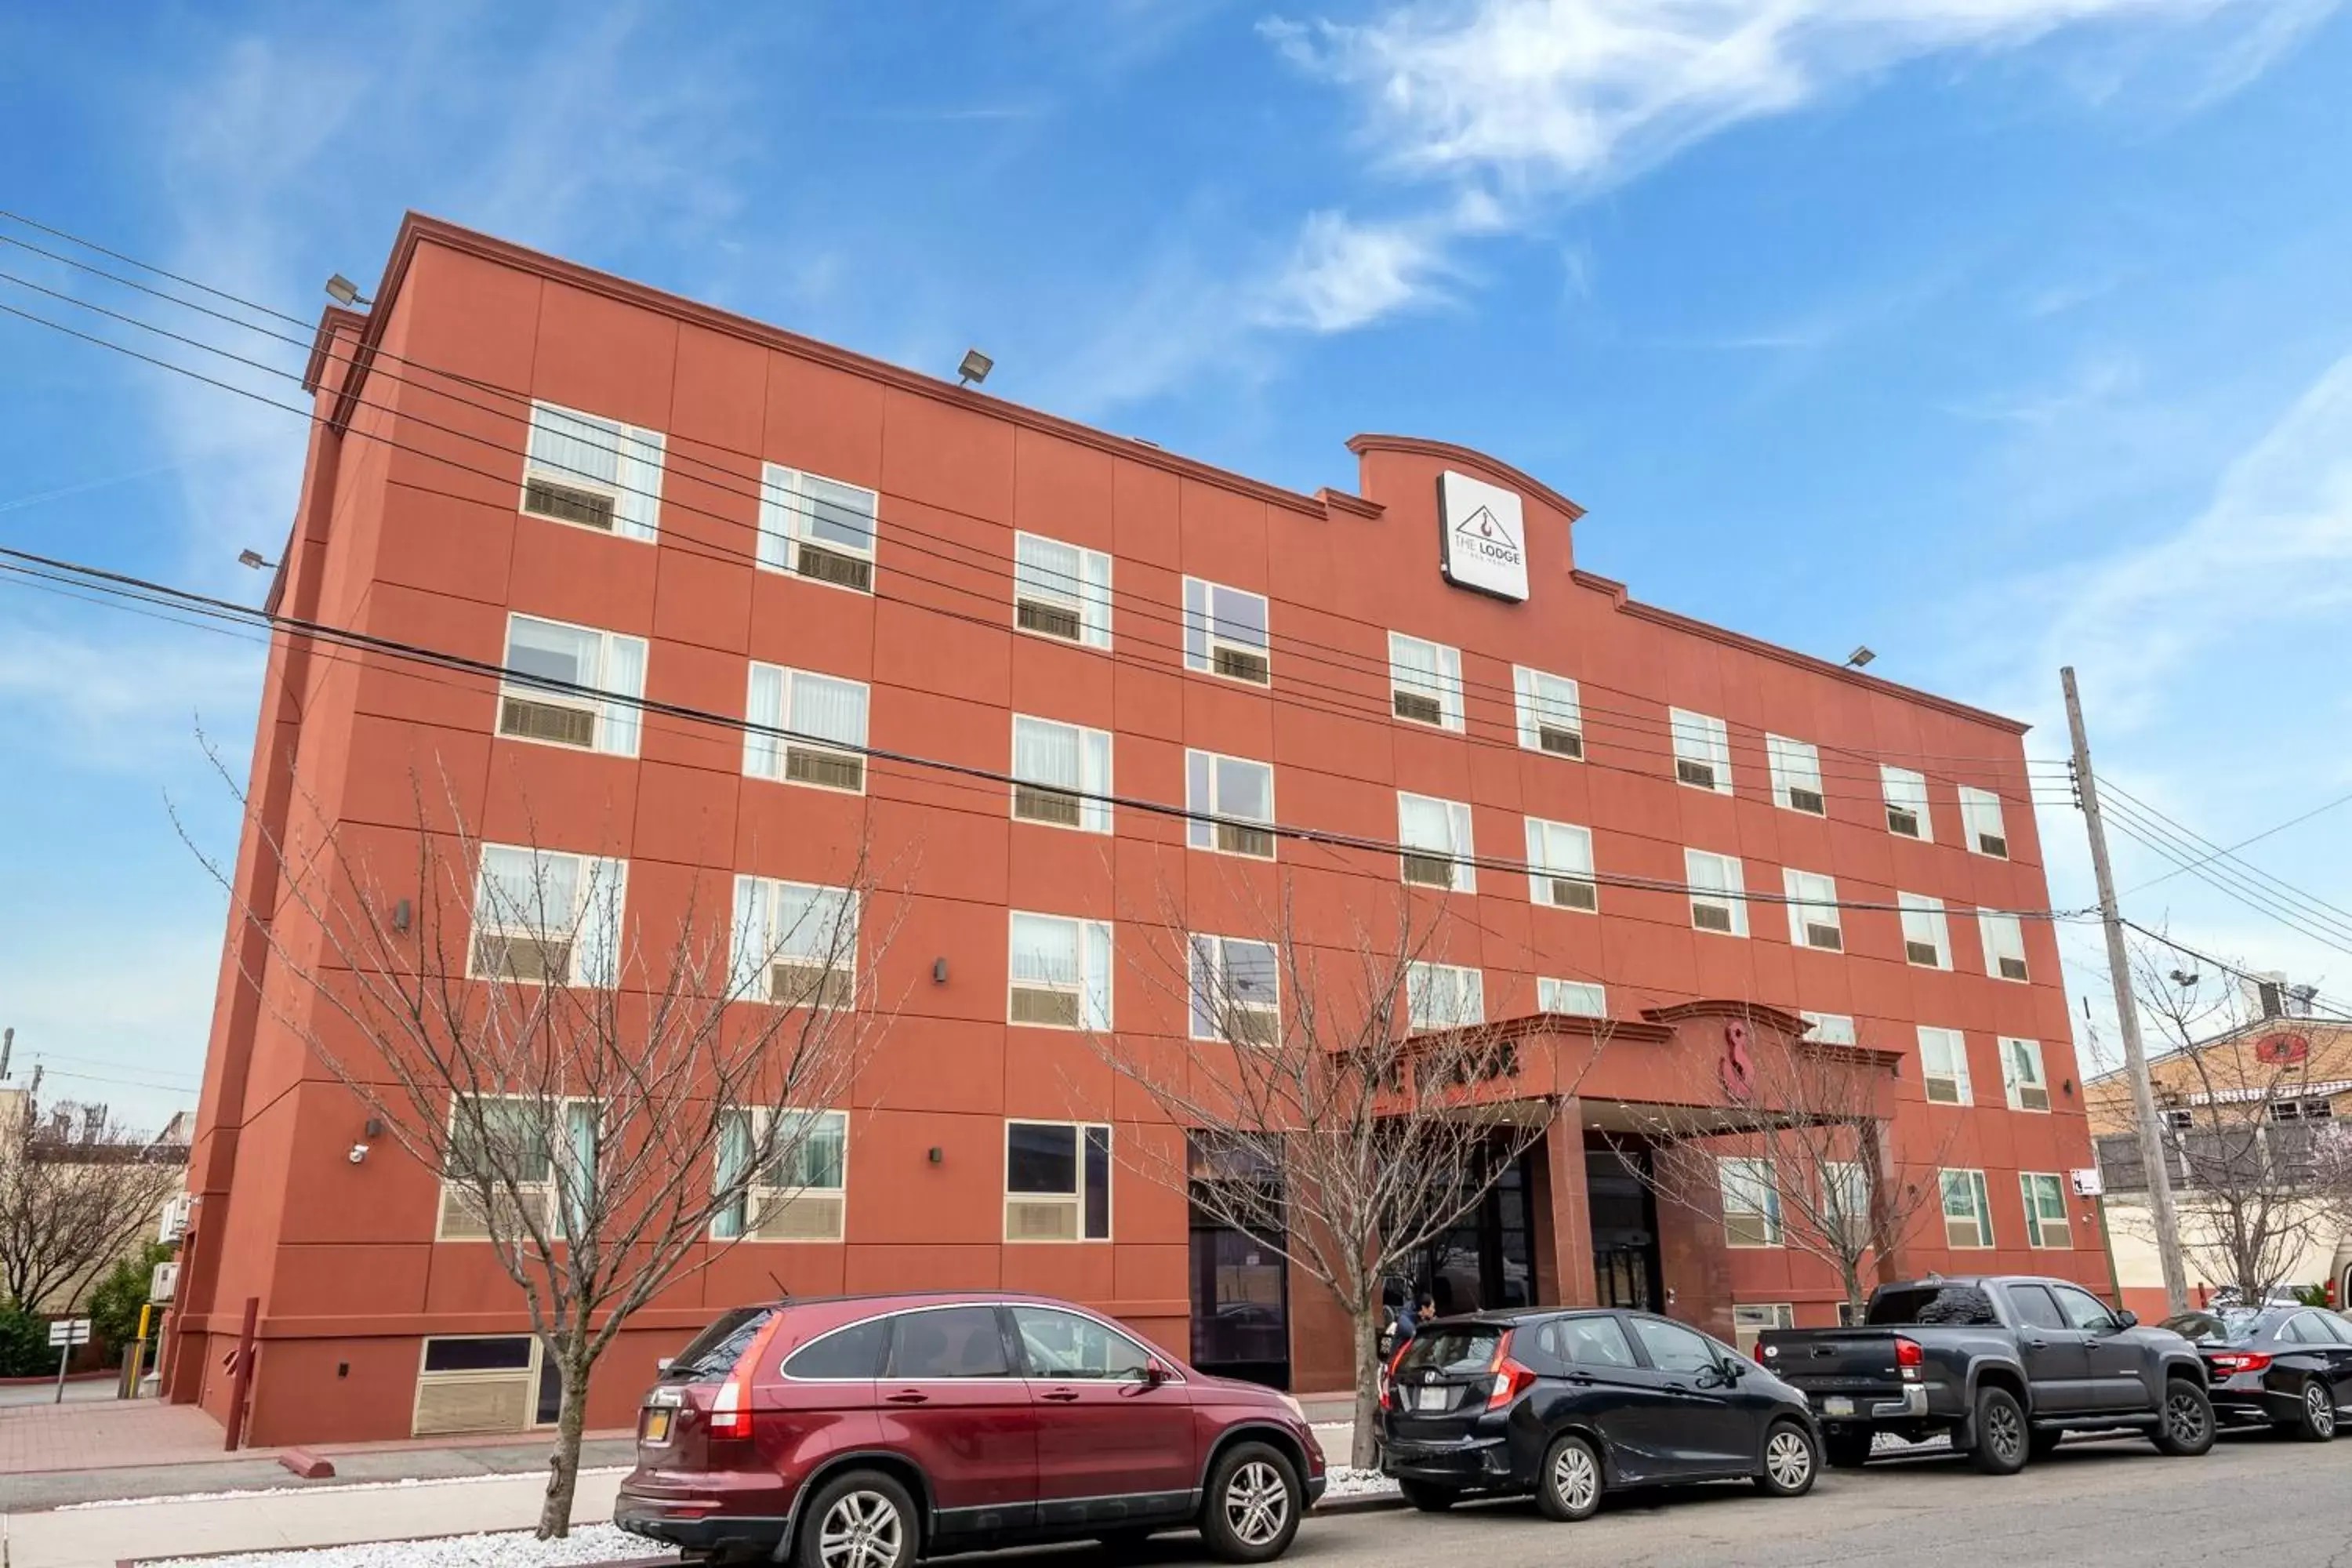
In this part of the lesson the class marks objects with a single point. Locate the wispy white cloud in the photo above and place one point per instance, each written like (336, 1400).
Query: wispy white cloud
(1344, 274)
(121, 706)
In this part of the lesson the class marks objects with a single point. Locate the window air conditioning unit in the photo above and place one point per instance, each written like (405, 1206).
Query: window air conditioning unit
(1238, 664)
(1420, 707)
(1962, 1233)
(564, 725)
(1559, 741)
(1047, 619)
(1829, 938)
(833, 566)
(1253, 1025)
(1904, 820)
(1049, 1219)
(2012, 969)
(1570, 893)
(1748, 1229)
(1711, 917)
(178, 1210)
(787, 1215)
(1033, 803)
(1808, 800)
(1992, 844)
(2032, 1097)
(1236, 838)
(1942, 1090)
(1428, 870)
(829, 769)
(452, 1401)
(524, 958)
(568, 503)
(1702, 774)
(811, 985)
(1924, 953)
(1035, 1004)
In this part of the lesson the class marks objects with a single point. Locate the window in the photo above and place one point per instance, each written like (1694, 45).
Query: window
(1944, 1065)
(2045, 1209)
(1702, 751)
(1559, 866)
(852, 1354)
(2083, 1310)
(1834, 1029)
(818, 528)
(1225, 632)
(1814, 911)
(1061, 591)
(554, 673)
(543, 918)
(473, 1382)
(1845, 1199)
(1424, 681)
(1236, 791)
(1058, 1345)
(1444, 996)
(2034, 1304)
(1578, 998)
(798, 1191)
(1968, 1216)
(545, 1149)
(1061, 972)
(947, 1343)
(1436, 838)
(1751, 1202)
(1588, 1341)
(1796, 776)
(2021, 1074)
(1906, 794)
(1717, 896)
(794, 944)
(1550, 715)
(1064, 773)
(593, 472)
(1056, 1182)
(1749, 1322)
(1980, 821)
(1927, 941)
(2004, 944)
(1672, 1348)
(822, 720)
(1237, 990)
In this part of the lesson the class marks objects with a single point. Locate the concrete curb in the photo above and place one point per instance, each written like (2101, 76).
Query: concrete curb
(1370, 1503)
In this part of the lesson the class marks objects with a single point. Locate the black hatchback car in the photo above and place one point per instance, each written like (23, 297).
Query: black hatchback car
(1569, 1405)
(2289, 1366)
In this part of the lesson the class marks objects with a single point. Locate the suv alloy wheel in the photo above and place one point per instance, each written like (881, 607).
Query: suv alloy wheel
(1251, 1508)
(861, 1519)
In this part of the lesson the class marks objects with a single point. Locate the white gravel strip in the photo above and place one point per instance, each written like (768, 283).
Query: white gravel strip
(511, 1549)
(408, 1483)
(1350, 1483)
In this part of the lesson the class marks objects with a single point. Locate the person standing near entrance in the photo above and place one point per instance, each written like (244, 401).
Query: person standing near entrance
(1410, 1316)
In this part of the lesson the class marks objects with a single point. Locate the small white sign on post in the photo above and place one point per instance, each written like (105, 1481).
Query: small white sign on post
(70, 1331)
(2087, 1183)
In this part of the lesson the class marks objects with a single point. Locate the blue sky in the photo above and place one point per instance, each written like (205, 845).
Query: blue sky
(1996, 334)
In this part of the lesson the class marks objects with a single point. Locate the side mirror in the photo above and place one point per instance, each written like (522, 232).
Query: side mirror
(1157, 1372)
(1734, 1370)
(2128, 1318)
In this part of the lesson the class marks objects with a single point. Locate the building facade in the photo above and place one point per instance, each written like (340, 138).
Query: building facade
(1644, 835)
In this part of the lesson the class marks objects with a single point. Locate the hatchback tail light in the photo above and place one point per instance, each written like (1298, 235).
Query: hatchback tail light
(1388, 1373)
(2232, 1363)
(1511, 1379)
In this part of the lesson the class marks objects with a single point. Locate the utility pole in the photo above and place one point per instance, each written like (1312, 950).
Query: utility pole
(2151, 1135)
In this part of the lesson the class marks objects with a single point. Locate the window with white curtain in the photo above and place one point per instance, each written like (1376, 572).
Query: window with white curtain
(1718, 894)
(2046, 1223)
(543, 1153)
(817, 527)
(543, 916)
(1550, 712)
(1237, 792)
(823, 718)
(1060, 590)
(1980, 822)
(798, 1193)
(1225, 632)
(2021, 1074)
(795, 943)
(1436, 838)
(1702, 749)
(1578, 998)
(1237, 988)
(1425, 681)
(2004, 944)
(1927, 939)
(1796, 774)
(1064, 774)
(1559, 866)
(1060, 972)
(1906, 794)
(1814, 909)
(571, 686)
(593, 472)
(1444, 996)
(1751, 1202)
(1944, 1066)
(1834, 1029)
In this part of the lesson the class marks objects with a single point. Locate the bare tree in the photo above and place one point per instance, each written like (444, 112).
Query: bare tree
(607, 1109)
(2261, 1181)
(1345, 1106)
(75, 1193)
(1795, 1154)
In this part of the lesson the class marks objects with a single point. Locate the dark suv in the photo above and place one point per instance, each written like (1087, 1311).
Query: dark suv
(865, 1432)
(1569, 1405)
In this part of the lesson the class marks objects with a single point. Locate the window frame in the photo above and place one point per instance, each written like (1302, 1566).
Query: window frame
(784, 498)
(1993, 925)
(1415, 1014)
(1460, 853)
(1806, 911)
(547, 1193)
(1974, 804)
(2013, 1085)
(1094, 747)
(744, 1230)
(1092, 999)
(757, 744)
(772, 892)
(1703, 740)
(1404, 682)
(1964, 1090)
(1531, 709)
(586, 943)
(1973, 1178)
(1736, 895)
(1780, 752)
(1206, 834)
(1543, 873)
(1205, 622)
(2038, 1222)
(610, 644)
(1911, 785)
(636, 510)
(1744, 1335)
(1853, 1182)
(1210, 948)
(1093, 618)
(1929, 909)
(1081, 1133)
(1600, 996)
(1759, 1197)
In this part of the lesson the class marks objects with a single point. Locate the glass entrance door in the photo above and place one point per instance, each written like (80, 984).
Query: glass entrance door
(1624, 1213)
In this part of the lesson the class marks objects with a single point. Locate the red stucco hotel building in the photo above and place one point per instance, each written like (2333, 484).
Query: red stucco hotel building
(665, 501)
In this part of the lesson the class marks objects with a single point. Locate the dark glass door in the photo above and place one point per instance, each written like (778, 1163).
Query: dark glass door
(1624, 1213)
(1241, 1305)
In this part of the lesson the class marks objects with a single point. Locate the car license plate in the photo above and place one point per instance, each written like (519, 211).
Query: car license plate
(1431, 1399)
(1837, 1405)
(656, 1426)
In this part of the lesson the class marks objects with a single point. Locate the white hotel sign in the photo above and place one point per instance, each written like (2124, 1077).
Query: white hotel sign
(1484, 537)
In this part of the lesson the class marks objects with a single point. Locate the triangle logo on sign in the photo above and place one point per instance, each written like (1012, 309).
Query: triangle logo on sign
(1484, 524)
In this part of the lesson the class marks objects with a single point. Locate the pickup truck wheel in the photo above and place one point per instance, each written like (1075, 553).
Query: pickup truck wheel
(1846, 1449)
(2315, 1421)
(2002, 1444)
(1789, 1463)
(1570, 1488)
(2186, 1428)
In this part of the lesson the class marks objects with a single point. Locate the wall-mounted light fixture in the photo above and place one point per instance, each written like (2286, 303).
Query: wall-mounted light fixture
(939, 1155)
(940, 970)
(974, 368)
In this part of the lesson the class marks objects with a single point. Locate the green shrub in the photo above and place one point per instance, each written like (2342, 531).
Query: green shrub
(25, 1343)
(115, 1300)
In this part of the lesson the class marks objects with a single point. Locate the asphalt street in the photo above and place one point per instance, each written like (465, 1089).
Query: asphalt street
(2255, 1498)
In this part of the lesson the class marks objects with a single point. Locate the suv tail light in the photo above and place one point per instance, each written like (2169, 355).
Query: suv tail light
(731, 1408)
(2231, 1362)
(1511, 1379)
(1908, 1354)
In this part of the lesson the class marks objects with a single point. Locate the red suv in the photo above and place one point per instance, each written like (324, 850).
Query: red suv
(867, 1431)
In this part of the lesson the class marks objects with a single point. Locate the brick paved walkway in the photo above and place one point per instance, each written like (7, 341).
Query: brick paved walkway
(98, 1435)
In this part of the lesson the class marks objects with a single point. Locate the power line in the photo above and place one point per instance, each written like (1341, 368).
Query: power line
(2225, 967)
(2245, 891)
(2230, 851)
(2287, 889)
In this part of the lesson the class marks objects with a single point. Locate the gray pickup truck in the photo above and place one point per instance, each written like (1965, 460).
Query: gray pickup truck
(2007, 1365)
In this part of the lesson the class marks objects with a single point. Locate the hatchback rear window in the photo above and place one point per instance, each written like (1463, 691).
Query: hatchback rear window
(1964, 1305)
(1451, 1351)
(714, 1351)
